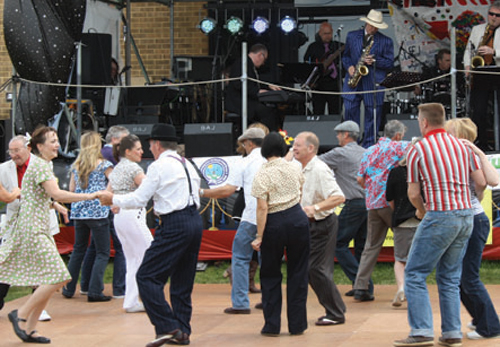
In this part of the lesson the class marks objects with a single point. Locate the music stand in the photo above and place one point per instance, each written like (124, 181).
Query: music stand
(401, 78)
(295, 72)
(488, 82)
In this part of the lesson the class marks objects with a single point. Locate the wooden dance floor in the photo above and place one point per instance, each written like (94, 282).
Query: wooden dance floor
(75, 322)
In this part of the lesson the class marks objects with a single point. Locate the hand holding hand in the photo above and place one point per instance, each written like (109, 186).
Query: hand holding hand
(256, 243)
(105, 197)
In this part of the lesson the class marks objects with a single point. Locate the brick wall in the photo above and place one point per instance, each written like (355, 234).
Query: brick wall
(151, 30)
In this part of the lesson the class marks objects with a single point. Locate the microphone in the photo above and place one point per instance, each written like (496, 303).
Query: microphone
(340, 29)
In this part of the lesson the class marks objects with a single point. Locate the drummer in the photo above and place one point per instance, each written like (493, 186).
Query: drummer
(442, 67)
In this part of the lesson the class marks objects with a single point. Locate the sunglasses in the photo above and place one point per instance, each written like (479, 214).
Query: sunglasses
(494, 14)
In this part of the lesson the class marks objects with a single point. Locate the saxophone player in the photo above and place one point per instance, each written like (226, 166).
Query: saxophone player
(484, 43)
(374, 51)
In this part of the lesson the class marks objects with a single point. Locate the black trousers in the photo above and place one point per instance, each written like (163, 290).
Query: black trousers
(173, 255)
(285, 231)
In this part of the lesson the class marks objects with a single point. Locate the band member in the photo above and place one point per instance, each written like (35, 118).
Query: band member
(484, 42)
(369, 51)
(319, 51)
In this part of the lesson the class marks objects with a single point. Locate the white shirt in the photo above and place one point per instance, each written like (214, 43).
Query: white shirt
(167, 183)
(242, 176)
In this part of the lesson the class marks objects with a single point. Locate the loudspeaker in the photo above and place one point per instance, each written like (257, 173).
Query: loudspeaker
(208, 140)
(6, 136)
(411, 122)
(321, 125)
(142, 131)
(96, 59)
(195, 68)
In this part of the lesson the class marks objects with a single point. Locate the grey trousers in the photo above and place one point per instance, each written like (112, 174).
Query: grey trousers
(379, 221)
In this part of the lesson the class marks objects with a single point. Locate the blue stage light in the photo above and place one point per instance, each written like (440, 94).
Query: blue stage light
(288, 24)
(260, 25)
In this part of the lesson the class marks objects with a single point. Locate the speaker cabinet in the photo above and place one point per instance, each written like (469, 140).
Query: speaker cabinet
(322, 126)
(411, 123)
(142, 131)
(208, 140)
(96, 59)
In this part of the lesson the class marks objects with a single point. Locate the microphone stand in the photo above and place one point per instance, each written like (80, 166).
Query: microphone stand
(401, 48)
(375, 127)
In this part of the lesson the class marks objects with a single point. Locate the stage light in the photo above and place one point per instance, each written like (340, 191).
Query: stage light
(260, 25)
(234, 25)
(207, 25)
(288, 24)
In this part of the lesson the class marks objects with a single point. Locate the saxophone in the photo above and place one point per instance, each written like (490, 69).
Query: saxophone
(361, 69)
(478, 60)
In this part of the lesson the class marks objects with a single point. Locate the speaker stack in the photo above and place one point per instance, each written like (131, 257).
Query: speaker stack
(411, 122)
(322, 126)
(208, 140)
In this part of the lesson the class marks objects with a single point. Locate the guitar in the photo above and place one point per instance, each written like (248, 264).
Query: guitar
(324, 71)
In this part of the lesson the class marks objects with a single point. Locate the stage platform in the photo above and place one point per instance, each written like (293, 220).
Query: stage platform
(75, 322)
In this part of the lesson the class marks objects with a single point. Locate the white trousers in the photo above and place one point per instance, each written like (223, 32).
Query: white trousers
(135, 236)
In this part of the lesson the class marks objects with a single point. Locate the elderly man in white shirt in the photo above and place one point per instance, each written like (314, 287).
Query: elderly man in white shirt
(173, 183)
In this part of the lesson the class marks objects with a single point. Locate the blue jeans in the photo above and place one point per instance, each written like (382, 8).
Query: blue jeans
(474, 295)
(440, 242)
(242, 255)
(352, 225)
(119, 265)
(100, 235)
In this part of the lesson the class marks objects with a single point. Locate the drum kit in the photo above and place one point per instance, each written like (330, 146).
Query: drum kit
(437, 91)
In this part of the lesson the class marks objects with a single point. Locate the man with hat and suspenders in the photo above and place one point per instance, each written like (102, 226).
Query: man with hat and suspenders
(173, 183)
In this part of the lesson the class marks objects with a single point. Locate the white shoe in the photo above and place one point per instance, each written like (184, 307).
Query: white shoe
(44, 316)
(471, 326)
(399, 298)
(118, 296)
(83, 293)
(473, 335)
(137, 308)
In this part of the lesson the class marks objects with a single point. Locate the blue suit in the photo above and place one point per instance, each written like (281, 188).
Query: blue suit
(383, 52)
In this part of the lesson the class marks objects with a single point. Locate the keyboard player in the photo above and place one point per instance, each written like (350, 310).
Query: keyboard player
(257, 111)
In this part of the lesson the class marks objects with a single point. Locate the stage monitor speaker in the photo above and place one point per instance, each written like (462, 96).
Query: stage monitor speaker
(208, 139)
(142, 131)
(411, 122)
(96, 59)
(321, 125)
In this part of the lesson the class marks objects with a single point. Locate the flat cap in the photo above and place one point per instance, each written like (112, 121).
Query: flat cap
(349, 126)
(252, 133)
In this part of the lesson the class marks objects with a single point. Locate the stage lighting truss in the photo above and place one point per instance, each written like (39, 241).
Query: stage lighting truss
(288, 24)
(260, 25)
(207, 25)
(234, 25)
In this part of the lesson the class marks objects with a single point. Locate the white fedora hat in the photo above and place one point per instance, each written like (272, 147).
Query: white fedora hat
(375, 18)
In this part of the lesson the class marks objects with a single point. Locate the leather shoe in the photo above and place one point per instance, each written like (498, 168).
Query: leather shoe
(324, 321)
(164, 338)
(363, 295)
(182, 340)
(100, 298)
(350, 293)
(231, 310)
(15, 324)
(259, 306)
(36, 339)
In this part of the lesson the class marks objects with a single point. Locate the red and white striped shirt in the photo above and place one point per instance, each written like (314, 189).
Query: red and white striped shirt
(443, 164)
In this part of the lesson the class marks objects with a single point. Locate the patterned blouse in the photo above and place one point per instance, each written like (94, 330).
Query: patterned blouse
(122, 177)
(91, 209)
(279, 182)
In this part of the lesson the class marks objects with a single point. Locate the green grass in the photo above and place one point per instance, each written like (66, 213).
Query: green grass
(383, 274)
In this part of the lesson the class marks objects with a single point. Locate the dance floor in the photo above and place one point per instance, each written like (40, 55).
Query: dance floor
(75, 322)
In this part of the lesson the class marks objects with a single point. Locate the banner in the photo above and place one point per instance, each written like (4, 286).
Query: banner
(422, 28)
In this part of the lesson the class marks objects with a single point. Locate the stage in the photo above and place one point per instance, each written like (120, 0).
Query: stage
(75, 322)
